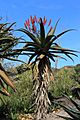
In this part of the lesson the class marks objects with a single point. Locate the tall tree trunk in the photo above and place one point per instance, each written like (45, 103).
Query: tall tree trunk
(41, 88)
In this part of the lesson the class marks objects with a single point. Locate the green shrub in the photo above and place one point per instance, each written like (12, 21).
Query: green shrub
(62, 82)
(19, 102)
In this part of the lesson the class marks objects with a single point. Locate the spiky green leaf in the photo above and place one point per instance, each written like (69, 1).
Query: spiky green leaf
(53, 29)
(32, 36)
(42, 31)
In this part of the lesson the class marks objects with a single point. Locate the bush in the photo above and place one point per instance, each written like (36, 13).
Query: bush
(63, 82)
(20, 101)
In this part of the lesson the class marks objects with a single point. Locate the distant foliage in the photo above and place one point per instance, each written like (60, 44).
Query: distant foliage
(63, 82)
(76, 76)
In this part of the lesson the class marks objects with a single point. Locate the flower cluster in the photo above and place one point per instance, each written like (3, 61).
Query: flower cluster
(32, 23)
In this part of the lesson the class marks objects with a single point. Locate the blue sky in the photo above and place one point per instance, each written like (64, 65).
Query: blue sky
(67, 10)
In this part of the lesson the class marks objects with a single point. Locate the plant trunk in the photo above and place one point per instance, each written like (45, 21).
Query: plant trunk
(42, 79)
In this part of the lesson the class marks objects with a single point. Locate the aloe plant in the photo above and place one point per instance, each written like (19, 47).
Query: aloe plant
(73, 111)
(41, 48)
(7, 42)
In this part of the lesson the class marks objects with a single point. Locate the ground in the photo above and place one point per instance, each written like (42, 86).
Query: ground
(50, 116)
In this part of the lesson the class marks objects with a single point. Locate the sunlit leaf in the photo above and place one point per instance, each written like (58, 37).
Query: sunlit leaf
(5, 77)
(53, 29)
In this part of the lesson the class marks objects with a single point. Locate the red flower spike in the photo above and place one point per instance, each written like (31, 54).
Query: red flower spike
(35, 19)
(31, 24)
(35, 28)
(44, 20)
(49, 22)
(30, 18)
(28, 23)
